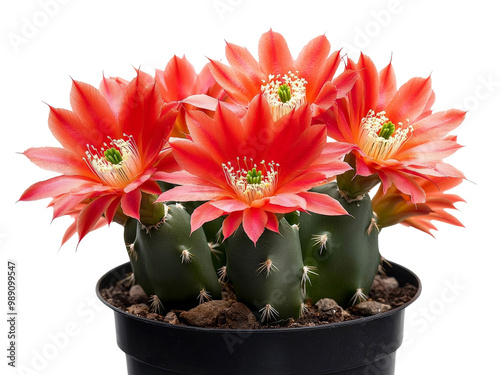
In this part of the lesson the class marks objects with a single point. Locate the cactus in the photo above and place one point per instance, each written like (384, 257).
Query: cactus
(139, 271)
(179, 266)
(344, 249)
(212, 231)
(267, 276)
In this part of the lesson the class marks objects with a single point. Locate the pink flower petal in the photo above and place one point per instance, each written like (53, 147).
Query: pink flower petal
(254, 223)
(323, 204)
(274, 55)
(231, 223)
(203, 214)
(131, 203)
(187, 193)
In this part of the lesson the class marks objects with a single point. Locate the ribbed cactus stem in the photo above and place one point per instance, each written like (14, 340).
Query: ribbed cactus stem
(343, 250)
(174, 264)
(267, 276)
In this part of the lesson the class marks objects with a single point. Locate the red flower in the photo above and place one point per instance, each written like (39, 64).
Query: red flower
(179, 81)
(254, 168)
(396, 135)
(113, 143)
(286, 83)
(394, 207)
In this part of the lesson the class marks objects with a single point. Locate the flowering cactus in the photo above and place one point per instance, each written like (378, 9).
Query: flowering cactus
(228, 175)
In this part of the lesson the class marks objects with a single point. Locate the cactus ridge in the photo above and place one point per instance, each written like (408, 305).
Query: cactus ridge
(172, 263)
(267, 276)
(344, 250)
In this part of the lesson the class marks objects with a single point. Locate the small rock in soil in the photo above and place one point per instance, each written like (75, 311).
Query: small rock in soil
(372, 307)
(327, 306)
(154, 316)
(116, 303)
(139, 309)
(206, 314)
(384, 283)
(137, 294)
(239, 316)
(171, 318)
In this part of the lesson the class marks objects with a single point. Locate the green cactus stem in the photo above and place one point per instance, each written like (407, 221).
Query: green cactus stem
(139, 272)
(267, 276)
(177, 265)
(352, 185)
(343, 250)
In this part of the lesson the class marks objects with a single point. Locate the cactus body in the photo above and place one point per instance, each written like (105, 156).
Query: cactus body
(137, 263)
(267, 276)
(214, 236)
(344, 250)
(178, 265)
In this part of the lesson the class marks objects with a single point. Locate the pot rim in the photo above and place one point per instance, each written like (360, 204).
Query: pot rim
(263, 330)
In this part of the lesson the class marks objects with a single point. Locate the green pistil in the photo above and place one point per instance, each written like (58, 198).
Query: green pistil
(284, 93)
(387, 130)
(254, 177)
(113, 156)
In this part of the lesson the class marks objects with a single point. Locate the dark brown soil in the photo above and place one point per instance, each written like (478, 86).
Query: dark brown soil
(231, 314)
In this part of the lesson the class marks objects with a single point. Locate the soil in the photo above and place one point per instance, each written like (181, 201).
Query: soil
(385, 294)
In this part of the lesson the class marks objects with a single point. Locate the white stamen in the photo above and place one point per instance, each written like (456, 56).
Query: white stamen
(297, 89)
(116, 175)
(249, 192)
(378, 147)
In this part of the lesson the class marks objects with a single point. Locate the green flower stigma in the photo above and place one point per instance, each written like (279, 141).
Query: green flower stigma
(113, 155)
(284, 93)
(387, 130)
(254, 177)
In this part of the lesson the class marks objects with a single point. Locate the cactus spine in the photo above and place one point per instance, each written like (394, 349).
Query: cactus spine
(267, 276)
(178, 263)
(344, 249)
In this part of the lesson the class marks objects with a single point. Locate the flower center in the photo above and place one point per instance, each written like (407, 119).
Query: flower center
(252, 184)
(379, 137)
(284, 93)
(116, 163)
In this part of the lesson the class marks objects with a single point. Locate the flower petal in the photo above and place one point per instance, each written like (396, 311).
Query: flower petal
(323, 204)
(90, 215)
(187, 193)
(59, 160)
(272, 222)
(231, 223)
(203, 214)
(254, 223)
(410, 100)
(54, 187)
(274, 55)
(93, 109)
(244, 63)
(131, 203)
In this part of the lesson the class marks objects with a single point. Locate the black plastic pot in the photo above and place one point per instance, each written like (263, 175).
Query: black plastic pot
(364, 346)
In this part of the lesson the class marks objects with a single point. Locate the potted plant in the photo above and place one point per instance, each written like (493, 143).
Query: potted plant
(226, 182)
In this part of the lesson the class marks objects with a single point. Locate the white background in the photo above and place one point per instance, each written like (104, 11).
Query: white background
(447, 330)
